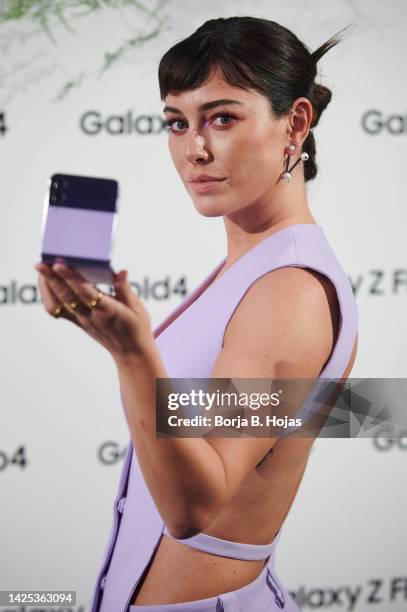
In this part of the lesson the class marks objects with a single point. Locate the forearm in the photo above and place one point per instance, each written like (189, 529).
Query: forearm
(186, 477)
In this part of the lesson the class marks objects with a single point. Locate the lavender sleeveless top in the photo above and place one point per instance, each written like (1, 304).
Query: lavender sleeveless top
(137, 525)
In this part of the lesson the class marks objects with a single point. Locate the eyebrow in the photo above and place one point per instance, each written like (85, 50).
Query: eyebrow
(205, 106)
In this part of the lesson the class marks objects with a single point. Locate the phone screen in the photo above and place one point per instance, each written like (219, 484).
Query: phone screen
(79, 223)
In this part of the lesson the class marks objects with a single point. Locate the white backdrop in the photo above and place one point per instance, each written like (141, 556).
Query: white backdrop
(63, 432)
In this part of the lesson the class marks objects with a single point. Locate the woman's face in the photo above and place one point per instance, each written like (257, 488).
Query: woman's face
(245, 148)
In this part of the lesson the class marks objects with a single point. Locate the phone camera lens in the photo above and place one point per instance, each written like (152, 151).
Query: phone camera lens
(56, 184)
(57, 197)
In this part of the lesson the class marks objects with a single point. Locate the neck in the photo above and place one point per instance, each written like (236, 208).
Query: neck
(245, 228)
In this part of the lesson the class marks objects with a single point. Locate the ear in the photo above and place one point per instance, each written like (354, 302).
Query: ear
(300, 119)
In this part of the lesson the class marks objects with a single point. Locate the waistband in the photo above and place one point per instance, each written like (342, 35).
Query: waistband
(227, 548)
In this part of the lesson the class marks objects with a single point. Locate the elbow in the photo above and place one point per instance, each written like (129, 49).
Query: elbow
(189, 525)
(182, 531)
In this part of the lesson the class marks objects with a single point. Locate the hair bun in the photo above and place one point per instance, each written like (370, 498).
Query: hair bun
(320, 98)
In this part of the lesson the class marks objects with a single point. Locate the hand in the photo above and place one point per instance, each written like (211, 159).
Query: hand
(121, 324)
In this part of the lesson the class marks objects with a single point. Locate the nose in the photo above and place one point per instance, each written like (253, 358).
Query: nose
(195, 148)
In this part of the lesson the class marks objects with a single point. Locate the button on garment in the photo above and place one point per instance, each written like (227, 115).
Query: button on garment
(120, 504)
(136, 537)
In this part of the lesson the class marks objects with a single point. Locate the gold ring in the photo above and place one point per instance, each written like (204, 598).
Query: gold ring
(70, 306)
(57, 311)
(96, 301)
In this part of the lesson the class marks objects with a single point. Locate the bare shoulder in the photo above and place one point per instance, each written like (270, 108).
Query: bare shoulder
(285, 325)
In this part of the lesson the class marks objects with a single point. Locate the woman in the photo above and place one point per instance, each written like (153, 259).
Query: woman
(196, 520)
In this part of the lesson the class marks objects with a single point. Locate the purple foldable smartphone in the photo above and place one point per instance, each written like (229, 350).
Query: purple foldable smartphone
(79, 224)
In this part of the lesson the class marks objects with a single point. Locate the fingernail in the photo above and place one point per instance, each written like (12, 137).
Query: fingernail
(59, 269)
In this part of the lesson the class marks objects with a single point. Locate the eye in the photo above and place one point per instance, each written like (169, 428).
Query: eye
(224, 115)
(169, 123)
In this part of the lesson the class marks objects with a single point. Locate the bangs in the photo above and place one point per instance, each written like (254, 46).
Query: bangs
(189, 64)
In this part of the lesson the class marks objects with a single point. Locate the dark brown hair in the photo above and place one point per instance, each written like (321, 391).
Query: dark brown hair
(252, 53)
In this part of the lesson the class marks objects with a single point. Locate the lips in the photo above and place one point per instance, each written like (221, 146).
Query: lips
(205, 186)
(203, 178)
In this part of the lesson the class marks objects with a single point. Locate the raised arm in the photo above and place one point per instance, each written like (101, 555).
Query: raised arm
(284, 328)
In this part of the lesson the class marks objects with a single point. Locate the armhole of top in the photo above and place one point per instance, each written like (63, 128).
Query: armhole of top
(305, 267)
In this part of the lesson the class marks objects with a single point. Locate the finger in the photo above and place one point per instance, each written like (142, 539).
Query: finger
(63, 292)
(123, 290)
(50, 300)
(84, 291)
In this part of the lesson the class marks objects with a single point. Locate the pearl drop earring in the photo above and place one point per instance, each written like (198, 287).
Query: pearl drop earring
(287, 171)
